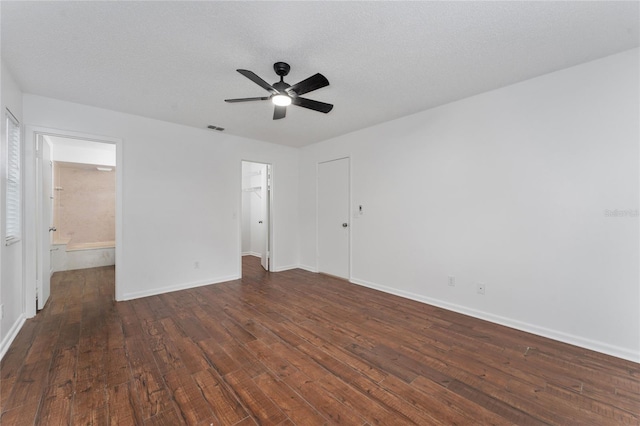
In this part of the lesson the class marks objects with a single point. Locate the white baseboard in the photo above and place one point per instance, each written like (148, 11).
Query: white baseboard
(183, 286)
(307, 268)
(252, 253)
(285, 268)
(11, 335)
(605, 348)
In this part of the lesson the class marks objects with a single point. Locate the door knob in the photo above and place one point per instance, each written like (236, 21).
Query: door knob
(344, 225)
(53, 228)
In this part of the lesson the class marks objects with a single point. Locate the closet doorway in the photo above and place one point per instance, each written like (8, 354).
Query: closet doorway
(256, 212)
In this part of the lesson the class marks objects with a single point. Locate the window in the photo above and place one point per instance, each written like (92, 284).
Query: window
(13, 193)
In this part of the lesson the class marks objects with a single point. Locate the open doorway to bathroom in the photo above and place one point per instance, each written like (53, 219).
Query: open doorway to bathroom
(256, 215)
(84, 179)
(77, 207)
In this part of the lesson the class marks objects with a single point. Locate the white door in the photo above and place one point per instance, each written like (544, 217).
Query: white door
(266, 220)
(333, 217)
(46, 221)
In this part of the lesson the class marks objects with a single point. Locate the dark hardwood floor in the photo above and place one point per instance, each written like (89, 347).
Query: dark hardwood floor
(294, 348)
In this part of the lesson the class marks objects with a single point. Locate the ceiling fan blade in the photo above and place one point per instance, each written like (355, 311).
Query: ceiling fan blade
(263, 98)
(279, 112)
(312, 83)
(257, 80)
(311, 104)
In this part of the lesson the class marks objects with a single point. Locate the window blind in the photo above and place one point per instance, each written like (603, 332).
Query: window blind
(13, 200)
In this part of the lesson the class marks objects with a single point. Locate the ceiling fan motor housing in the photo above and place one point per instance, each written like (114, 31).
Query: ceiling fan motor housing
(281, 87)
(281, 68)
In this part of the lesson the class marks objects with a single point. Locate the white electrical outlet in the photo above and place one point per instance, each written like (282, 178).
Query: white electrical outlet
(1, 311)
(451, 281)
(196, 265)
(481, 288)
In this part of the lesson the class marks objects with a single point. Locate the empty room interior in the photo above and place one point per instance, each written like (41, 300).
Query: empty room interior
(301, 213)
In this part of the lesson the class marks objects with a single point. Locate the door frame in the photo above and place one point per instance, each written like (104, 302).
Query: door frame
(270, 214)
(32, 227)
(348, 158)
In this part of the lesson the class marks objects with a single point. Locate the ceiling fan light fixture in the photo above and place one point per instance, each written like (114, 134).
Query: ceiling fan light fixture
(281, 100)
(282, 94)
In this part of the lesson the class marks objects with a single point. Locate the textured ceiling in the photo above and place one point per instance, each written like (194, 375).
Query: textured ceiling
(176, 61)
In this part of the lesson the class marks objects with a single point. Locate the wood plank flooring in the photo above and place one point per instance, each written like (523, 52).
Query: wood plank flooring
(294, 348)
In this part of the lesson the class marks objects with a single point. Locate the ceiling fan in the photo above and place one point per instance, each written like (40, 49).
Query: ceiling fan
(283, 94)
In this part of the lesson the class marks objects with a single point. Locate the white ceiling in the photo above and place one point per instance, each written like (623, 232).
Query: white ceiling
(176, 61)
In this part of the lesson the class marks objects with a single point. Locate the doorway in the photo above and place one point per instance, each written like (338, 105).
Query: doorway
(76, 207)
(256, 225)
(333, 218)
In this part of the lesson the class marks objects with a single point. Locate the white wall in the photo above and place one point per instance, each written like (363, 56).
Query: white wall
(84, 152)
(253, 232)
(11, 286)
(508, 188)
(181, 196)
(258, 230)
(246, 223)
